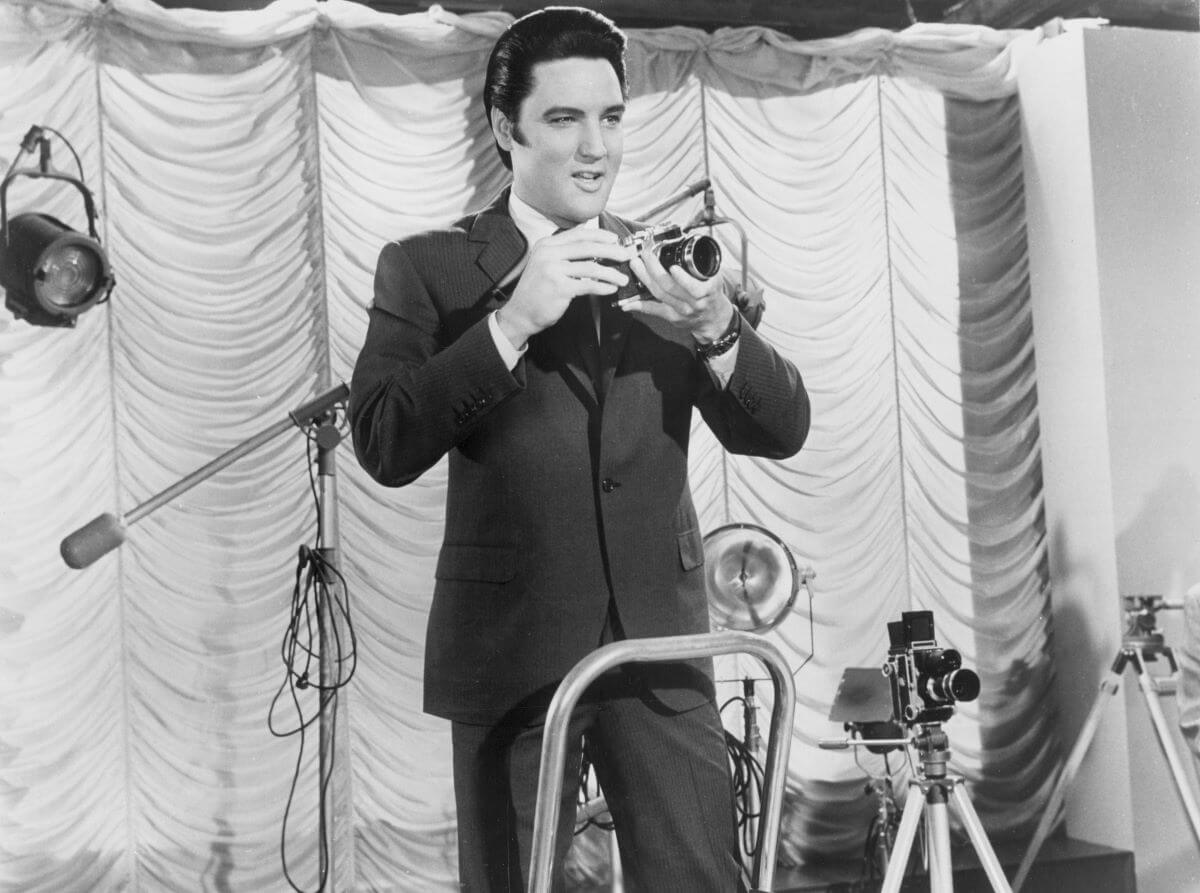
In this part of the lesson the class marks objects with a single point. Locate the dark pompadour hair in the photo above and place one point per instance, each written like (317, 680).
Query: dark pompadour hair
(556, 32)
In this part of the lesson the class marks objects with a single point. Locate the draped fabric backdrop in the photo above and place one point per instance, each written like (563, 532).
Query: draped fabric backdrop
(249, 166)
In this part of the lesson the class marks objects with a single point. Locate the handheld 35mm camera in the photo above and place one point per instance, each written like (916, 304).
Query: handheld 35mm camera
(699, 255)
(926, 680)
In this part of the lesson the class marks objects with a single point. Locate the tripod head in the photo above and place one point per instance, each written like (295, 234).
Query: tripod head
(1141, 619)
(1142, 637)
(933, 747)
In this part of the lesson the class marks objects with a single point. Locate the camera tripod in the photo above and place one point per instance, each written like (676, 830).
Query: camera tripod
(930, 793)
(1141, 644)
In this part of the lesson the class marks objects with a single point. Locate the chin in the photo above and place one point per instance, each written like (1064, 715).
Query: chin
(588, 207)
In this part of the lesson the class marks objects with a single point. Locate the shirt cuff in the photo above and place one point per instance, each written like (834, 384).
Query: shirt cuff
(509, 354)
(721, 367)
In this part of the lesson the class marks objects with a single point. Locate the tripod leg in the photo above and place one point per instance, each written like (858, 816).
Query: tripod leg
(1182, 783)
(937, 832)
(1110, 686)
(905, 834)
(983, 849)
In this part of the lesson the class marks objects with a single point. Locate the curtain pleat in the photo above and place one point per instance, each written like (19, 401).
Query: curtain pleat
(249, 166)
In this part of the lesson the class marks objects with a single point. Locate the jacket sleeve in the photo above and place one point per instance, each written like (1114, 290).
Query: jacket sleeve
(764, 410)
(416, 390)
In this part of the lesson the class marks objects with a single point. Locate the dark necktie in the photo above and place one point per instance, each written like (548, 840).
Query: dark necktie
(579, 320)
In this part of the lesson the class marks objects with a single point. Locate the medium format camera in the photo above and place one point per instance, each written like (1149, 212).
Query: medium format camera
(698, 255)
(926, 680)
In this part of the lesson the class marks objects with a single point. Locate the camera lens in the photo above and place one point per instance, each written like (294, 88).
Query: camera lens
(700, 256)
(957, 685)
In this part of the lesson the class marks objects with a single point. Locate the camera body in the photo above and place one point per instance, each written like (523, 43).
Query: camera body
(926, 680)
(698, 255)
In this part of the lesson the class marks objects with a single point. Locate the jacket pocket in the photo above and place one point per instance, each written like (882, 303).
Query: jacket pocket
(691, 549)
(487, 564)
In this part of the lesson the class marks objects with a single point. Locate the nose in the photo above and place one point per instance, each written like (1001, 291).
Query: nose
(591, 142)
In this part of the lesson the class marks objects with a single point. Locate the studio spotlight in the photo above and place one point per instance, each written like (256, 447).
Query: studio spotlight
(50, 273)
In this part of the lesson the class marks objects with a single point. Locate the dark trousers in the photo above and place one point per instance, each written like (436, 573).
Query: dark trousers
(665, 777)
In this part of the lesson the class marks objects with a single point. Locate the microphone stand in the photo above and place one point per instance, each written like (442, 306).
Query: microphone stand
(687, 192)
(331, 732)
(107, 531)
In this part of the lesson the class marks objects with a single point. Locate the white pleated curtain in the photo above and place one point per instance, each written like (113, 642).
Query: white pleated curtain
(249, 167)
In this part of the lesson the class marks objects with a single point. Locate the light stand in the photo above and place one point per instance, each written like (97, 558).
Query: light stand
(930, 792)
(1141, 644)
(318, 418)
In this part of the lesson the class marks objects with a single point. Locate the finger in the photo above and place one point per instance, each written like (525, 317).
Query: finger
(698, 289)
(676, 281)
(654, 272)
(648, 307)
(661, 285)
(581, 243)
(590, 268)
(655, 280)
(577, 288)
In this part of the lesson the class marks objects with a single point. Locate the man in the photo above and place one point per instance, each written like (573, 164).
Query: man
(569, 519)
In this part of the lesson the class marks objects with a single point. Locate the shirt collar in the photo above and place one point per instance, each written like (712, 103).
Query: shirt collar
(535, 225)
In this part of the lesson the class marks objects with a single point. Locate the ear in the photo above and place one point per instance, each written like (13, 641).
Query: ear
(502, 130)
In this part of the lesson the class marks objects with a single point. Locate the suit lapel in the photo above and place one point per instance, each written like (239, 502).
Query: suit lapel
(501, 245)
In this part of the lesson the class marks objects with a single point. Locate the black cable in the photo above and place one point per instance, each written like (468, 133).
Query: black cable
(748, 777)
(879, 844)
(320, 591)
(589, 789)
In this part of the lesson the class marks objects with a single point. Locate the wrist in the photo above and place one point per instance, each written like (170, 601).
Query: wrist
(723, 343)
(707, 334)
(510, 330)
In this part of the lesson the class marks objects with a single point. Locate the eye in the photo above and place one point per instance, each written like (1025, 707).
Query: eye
(612, 120)
(561, 120)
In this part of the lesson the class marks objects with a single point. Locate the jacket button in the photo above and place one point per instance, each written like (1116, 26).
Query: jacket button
(608, 485)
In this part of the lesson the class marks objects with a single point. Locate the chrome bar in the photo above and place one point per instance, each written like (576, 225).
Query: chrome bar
(666, 648)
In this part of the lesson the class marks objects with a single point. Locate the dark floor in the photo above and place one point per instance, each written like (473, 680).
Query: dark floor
(1062, 866)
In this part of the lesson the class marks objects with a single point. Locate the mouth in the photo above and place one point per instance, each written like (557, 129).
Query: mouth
(589, 181)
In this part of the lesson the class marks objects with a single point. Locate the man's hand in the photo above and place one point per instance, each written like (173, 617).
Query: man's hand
(561, 267)
(699, 306)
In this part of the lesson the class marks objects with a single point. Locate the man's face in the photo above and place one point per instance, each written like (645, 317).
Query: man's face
(567, 141)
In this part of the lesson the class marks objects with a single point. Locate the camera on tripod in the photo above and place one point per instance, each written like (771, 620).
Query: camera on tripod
(926, 680)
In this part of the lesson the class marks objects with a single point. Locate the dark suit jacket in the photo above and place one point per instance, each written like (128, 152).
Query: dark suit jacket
(556, 497)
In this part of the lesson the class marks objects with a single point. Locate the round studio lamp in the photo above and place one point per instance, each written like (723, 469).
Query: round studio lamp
(51, 273)
(750, 577)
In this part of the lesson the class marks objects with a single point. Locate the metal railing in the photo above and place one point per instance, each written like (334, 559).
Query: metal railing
(667, 648)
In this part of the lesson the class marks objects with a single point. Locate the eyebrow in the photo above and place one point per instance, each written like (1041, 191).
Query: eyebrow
(571, 110)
